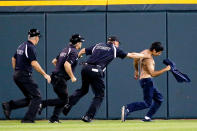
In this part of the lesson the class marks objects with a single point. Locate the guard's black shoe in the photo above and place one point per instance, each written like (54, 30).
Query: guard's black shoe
(6, 110)
(54, 121)
(27, 121)
(86, 119)
(40, 109)
(66, 109)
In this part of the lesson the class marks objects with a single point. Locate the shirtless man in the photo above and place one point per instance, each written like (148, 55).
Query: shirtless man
(147, 71)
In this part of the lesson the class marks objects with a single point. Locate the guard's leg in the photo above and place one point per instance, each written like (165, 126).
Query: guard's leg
(79, 93)
(61, 90)
(98, 88)
(32, 89)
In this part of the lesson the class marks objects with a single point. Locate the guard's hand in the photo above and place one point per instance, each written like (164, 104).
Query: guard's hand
(168, 68)
(73, 79)
(48, 78)
(80, 56)
(136, 75)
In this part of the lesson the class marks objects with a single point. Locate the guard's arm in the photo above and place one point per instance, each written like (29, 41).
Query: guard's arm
(81, 52)
(54, 61)
(68, 68)
(13, 62)
(154, 73)
(137, 55)
(39, 69)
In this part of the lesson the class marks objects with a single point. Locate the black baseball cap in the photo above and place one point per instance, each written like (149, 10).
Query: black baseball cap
(34, 32)
(75, 38)
(113, 38)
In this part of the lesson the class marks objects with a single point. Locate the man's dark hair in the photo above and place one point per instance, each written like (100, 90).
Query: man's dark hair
(157, 46)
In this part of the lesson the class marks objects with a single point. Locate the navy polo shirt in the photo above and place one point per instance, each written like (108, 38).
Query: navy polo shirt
(70, 55)
(25, 54)
(103, 53)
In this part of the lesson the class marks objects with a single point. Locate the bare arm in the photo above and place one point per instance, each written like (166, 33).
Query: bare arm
(136, 60)
(151, 70)
(81, 52)
(13, 62)
(39, 69)
(54, 61)
(67, 67)
(137, 55)
(135, 64)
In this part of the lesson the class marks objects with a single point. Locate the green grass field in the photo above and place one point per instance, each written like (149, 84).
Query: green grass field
(101, 125)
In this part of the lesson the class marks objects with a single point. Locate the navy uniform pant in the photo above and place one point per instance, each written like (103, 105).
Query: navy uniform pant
(60, 88)
(91, 75)
(32, 95)
(150, 93)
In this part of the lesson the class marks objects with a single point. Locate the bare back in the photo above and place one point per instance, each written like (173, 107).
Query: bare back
(145, 65)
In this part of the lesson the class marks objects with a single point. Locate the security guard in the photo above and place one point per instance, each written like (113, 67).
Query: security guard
(65, 64)
(23, 61)
(93, 74)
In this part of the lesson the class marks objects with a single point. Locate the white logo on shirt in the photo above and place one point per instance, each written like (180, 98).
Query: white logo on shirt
(63, 54)
(19, 52)
(103, 48)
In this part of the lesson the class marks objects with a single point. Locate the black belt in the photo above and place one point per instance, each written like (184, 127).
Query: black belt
(94, 66)
(61, 75)
(23, 72)
(86, 64)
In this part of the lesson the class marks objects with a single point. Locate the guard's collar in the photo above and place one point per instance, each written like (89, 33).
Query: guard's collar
(71, 46)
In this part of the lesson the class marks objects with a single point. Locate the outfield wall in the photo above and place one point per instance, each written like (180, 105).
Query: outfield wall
(137, 26)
